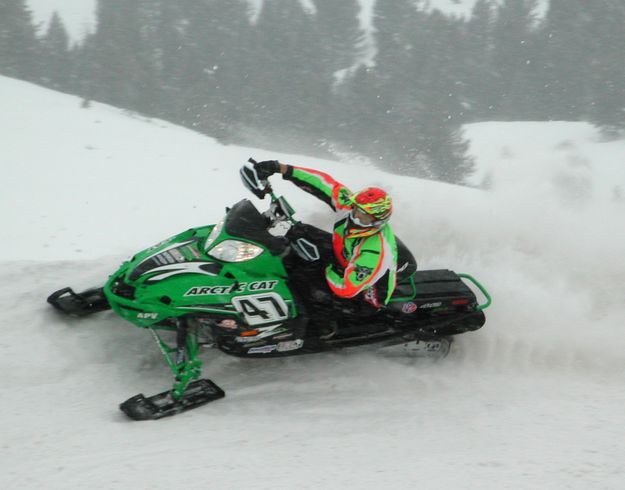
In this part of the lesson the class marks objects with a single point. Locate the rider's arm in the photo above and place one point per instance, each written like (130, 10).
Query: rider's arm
(319, 184)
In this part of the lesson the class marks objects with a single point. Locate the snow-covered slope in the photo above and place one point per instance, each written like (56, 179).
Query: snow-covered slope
(533, 400)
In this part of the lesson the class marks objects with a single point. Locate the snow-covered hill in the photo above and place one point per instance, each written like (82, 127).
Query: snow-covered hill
(533, 400)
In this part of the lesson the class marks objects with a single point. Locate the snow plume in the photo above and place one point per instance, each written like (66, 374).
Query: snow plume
(532, 400)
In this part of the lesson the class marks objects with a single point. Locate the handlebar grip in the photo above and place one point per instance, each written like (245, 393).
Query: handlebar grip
(251, 160)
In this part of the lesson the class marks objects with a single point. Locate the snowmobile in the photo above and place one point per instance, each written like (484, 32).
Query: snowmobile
(244, 286)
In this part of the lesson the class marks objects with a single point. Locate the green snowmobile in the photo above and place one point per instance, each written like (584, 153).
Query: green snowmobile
(243, 286)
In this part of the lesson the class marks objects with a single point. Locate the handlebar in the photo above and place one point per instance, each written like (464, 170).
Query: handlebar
(277, 203)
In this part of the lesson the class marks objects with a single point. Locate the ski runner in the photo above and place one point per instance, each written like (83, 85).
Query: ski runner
(363, 242)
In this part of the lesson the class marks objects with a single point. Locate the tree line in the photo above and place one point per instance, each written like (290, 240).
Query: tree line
(292, 78)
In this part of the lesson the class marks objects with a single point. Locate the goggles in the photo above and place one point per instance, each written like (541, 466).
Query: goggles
(353, 216)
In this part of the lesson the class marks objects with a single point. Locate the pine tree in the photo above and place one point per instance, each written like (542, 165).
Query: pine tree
(19, 48)
(400, 100)
(202, 50)
(565, 69)
(476, 50)
(290, 82)
(343, 46)
(56, 62)
(169, 43)
(515, 60)
(419, 92)
(442, 109)
(340, 32)
(124, 68)
(358, 106)
(223, 35)
(83, 76)
(606, 65)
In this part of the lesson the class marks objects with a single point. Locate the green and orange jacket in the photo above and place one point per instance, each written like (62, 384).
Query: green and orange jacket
(367, 255)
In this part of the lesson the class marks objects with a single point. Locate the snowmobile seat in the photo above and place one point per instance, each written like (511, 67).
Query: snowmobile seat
(406, 263)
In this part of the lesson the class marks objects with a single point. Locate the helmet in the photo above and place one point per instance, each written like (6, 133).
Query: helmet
(374, 202)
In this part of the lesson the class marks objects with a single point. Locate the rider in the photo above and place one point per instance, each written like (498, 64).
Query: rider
(364, 246)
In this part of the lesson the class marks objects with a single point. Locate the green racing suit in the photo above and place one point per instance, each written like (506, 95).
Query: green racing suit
(367, 256)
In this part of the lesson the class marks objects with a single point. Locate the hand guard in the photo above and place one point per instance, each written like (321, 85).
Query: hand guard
(267, 168)
(253, 181)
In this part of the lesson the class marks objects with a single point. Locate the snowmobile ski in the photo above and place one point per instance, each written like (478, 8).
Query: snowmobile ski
(71, 303)
(164, 404)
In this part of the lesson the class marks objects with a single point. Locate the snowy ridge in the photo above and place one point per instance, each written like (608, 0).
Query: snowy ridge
(532, 400)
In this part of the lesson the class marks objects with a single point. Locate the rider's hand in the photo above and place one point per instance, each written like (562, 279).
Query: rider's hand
(267, 168)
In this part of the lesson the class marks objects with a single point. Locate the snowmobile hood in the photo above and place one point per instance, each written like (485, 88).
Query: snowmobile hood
(179, 276)
(178, 258)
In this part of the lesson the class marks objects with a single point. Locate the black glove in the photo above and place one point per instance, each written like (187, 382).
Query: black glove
(266, 169)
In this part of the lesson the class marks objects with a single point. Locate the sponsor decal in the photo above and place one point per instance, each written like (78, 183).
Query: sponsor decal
(208, 290)
(266, 349)
(344, 196)
(433, 346)
(436, 304)
(228, 324)
(262, 285)
(409, 307)
(371, 297)
(254, 344)
(263, 332)
(362, 273)
(290, 345)
(403, 267)
(147, 316)
(239, 287)
(246, 340)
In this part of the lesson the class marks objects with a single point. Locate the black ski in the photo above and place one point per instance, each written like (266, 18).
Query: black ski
(162, 405)
(79, 304)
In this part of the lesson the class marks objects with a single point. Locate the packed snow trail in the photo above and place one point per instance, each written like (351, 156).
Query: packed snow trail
(532, 400)
(502, 413)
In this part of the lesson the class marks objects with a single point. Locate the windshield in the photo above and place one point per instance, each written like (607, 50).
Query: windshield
(245, 221)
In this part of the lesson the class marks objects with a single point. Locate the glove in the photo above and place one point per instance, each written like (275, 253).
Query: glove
(267, 168)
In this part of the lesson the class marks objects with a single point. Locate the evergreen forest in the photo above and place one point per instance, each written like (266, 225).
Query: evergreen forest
(307, 78)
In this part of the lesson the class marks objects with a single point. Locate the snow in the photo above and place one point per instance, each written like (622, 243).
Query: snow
(532, 400)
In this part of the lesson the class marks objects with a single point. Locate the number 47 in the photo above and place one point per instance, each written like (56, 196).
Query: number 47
(261, 308)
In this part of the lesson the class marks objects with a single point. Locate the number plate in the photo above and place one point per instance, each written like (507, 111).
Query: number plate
(258, 309)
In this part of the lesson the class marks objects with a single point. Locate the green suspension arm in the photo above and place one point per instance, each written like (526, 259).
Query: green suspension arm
(186, 369)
